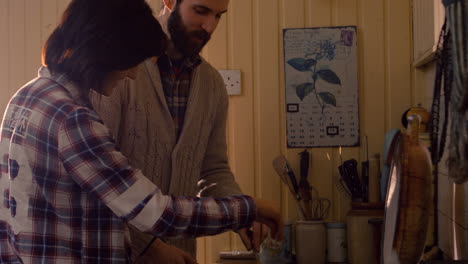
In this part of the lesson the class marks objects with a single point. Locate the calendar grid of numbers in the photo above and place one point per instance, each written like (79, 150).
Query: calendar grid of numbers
(321, 87)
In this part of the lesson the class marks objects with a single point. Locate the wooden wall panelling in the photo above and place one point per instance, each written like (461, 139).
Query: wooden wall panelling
(423, 24)
(452, 200)
(465, 209)
(320, 14)
(17, 41)
(49, 18)
(460, 216)
(216, 52)
(201, 249)
(292, 15)
(240, 39)
(266, 94)
(371, 43)
(372, 74)
(447, 231)
(398, 83)
(240, 43)
(465, 224)
(345, 13)
(61, 6)
(33, 43)
(452, 212)
(4, 54)
(446, 197)
(453, 238)
(423, 85)
(398, 71)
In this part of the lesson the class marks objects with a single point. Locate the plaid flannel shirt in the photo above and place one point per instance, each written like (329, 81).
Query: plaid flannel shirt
(68, 193)
(175, 78)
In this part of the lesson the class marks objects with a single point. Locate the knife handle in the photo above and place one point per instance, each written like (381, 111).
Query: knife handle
(365, 180)
(292, 179)
(304, 163)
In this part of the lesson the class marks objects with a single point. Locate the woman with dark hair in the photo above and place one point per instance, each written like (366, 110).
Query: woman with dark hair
(96, 38)
(67, 192)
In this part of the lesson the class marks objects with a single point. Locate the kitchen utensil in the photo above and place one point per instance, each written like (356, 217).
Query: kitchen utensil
(320, 208)
(365, 173)
(283, 169)
(287, 176)
(304, 186)
(392, 138)
(339, 182)
(408, 203)
(374, 178)
(341, 185)
(350, 175)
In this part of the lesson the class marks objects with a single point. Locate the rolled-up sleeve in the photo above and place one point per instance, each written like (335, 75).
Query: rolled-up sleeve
(89, 156)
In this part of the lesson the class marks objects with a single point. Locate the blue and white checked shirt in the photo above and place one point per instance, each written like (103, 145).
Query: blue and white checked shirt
(68, 194)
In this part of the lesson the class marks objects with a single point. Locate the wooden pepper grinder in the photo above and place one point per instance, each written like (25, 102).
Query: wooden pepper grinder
(423, 114)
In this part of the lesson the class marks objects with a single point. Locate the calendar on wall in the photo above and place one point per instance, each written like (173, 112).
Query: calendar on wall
(321, 86)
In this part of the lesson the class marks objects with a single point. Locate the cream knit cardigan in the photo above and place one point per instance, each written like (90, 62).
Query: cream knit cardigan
(138, 116)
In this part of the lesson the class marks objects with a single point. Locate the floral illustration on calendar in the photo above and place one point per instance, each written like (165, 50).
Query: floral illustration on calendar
(321, 86)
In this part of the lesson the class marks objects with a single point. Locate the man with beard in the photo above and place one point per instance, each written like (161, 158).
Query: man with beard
(171, 121)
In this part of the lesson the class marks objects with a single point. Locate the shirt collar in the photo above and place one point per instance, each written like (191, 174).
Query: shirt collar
(189, 63)
(63, 81)
(192, 62)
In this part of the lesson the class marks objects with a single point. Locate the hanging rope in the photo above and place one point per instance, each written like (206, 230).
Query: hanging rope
(442, 85)
(457, 22)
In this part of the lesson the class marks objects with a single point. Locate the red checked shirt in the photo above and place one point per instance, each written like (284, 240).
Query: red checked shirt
(175, 78)
(68, 194)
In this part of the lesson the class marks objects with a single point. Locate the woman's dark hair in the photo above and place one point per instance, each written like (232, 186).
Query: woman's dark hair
(97, 37)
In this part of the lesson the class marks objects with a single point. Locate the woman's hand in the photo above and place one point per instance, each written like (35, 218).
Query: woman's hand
(269, 215)
(253, 238)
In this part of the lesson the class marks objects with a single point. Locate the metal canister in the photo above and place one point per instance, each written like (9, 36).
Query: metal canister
(363, 236)
(336, 243)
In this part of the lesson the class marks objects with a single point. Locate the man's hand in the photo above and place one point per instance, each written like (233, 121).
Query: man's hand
(162, 253)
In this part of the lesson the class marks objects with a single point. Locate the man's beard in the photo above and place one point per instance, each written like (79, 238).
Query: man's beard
(187, 43)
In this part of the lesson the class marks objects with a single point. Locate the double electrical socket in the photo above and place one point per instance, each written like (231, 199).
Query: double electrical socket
(232, 80)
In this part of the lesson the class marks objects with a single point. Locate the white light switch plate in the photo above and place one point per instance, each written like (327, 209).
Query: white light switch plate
(232, 80)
